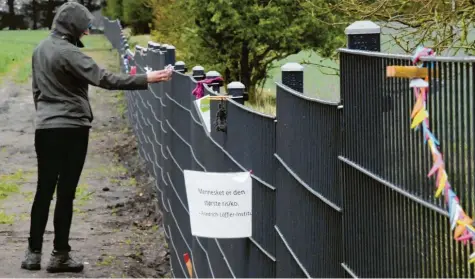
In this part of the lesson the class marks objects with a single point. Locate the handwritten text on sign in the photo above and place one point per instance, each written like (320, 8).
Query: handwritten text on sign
(220, 204)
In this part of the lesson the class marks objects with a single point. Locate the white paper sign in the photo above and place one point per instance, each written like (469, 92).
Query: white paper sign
(205, 110)
(220, 204)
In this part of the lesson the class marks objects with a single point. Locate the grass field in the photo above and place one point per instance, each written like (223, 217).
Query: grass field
(15, 52)
(17, 46)
(319, 82)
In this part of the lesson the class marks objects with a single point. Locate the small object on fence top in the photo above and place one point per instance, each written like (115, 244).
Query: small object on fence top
(170, 47)
(137, 47)
(406, 71)
(198, 68)
(180, 63)
(211, 74)
(153, 45)
(418, 83)
(292, 67)
(223, 97)
(363, 27)
(236, 85)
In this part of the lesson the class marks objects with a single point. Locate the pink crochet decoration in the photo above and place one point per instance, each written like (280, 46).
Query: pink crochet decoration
(199, 89)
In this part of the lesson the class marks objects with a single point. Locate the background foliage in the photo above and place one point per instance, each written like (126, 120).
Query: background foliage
(244, 39)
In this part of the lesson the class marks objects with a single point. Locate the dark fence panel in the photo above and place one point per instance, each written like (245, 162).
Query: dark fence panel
(339, 189)
(308, 192)
(394, 225)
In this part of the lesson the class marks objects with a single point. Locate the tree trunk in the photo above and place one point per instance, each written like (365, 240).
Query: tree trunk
(11, 15)
(246, 70)
(50, 13)
(34, 14)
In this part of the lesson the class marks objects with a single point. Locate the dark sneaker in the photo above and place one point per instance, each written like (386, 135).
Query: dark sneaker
(62, 262)
(32, 260)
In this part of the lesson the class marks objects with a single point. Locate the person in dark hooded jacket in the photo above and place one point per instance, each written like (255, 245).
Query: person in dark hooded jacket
(61, 74)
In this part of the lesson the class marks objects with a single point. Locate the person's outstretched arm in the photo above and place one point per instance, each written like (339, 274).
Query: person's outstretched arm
(85, 68)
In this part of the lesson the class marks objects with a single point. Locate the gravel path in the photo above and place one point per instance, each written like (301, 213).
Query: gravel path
(116, 230)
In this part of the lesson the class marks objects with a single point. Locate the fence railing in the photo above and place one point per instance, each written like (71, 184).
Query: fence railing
(339, 189)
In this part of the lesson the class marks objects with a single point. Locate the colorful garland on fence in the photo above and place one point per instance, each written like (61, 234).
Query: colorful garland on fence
(460, 222)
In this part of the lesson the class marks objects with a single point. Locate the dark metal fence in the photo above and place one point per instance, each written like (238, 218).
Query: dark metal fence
(339, 190)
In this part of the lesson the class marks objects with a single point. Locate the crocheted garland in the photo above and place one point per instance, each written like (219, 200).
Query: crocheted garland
(460, 223)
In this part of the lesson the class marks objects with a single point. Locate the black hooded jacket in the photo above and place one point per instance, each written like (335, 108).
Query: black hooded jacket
(61, 73)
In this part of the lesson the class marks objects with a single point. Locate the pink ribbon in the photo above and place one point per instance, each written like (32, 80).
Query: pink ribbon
(199, 89)
(133, 70)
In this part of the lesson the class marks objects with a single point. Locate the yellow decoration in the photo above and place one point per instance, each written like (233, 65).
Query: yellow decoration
(465, 220)
(420, 116)
(406, 71)
(442, 182)
(418, 106)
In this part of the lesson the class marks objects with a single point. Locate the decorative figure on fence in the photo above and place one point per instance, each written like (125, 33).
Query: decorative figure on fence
(133, 70)
(198, 92)
(460, 222)
(189, 266)
(126, 59)
(221, 118)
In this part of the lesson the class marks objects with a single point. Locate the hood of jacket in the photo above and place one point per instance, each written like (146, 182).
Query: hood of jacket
(71, 21)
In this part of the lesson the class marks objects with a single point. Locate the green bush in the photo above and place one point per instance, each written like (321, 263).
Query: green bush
(138, 15)
(113, 9)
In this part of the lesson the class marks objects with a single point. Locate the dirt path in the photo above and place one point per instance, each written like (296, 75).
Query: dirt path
(115, 228)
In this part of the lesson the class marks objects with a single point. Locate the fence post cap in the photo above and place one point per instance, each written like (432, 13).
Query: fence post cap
(236, 85)
(363, 27)
(179, 63)
(170, 47)
(213, 74)
(153, 44)
(292, 67)
(198, 68)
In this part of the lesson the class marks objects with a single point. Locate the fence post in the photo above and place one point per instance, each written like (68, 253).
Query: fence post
(198, 73)
(292, 76)
(236, 89)
(170, 55)
(364, 35)
(216, 86)
(180, 67)
(153, 45)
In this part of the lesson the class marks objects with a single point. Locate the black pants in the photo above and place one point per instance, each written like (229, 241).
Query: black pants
(61, 154)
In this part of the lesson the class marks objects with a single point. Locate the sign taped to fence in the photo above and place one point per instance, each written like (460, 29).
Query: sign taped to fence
(203, 105)
(220, 204)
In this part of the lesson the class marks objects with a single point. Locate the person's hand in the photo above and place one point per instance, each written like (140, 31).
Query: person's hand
(158, 76)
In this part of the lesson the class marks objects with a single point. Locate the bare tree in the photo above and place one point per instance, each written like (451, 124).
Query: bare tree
(440, 24)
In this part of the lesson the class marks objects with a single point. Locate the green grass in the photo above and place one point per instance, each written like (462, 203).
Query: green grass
(6, 219)
(319, 81)
(82, 194)
(17, 47)
(10, 183)
(141, 40)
